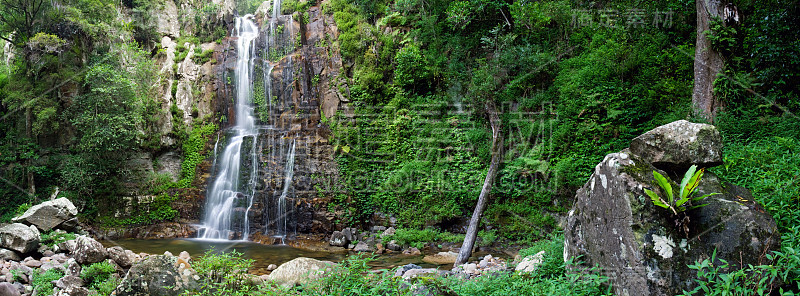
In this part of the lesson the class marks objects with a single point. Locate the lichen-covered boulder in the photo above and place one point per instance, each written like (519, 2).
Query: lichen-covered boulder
(161, 275)
(678, 145)
(9, 255)
(120, 256)
(58, 213)
(338, 239)
(19, 237)
(88, 251)
(645, 249)
(299, 270)
(441, 258)
(7, 289)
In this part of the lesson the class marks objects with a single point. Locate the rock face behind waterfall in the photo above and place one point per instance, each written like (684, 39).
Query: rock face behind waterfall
(615, 225)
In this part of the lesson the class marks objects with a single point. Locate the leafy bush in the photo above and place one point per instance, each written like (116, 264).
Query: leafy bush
(223, 272)
(418, 238)
(412, 71)
(96, 275)
(107, 287)
(193, 149)
(550, 278)
(352, 277)
(42, 281)
(159, 209)
(55, 237)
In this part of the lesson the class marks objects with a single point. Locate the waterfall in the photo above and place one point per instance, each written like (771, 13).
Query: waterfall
(287, 183)
(229, 201)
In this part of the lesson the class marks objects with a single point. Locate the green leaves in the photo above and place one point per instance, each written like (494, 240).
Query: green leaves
(691, 179)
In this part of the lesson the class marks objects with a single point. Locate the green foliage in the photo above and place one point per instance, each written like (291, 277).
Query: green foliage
(55, 237)
(157, 210)
(537, 15)
(223, 273)
(352, 277)
(202, 56)
(290, 6)
(767, 168)
(751, 280)
(411, 71)
(459, 14)
(418, 238)
(550, 278)
(722, 38)
(107, 287)
(22, 209)
(95, 275)
(42, 281)
(767, 165)
(684, 201)
(194, 152)
(109, 114)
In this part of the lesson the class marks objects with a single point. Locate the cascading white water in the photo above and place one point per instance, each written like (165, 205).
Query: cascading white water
(287, 183)
(229, 200)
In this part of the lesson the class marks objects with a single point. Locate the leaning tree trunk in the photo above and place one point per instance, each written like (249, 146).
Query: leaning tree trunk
(29, 163)
(707, 62)
(497, 144)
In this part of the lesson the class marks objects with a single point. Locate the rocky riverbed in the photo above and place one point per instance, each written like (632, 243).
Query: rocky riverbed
(38, 245)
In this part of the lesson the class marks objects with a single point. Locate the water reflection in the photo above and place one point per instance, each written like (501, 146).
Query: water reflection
(264, 255)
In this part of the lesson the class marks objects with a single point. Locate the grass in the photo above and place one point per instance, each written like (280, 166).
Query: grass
(768, 168)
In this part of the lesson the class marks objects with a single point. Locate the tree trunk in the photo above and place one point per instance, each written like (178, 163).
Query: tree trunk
(497, 144)
(707, 62)
(29, 162)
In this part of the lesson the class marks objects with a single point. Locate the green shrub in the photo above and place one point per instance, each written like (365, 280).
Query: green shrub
(21, 209)
(550, 278)
(418, 238)
(42, 281)
(55, 237)
(107, 287)
(223, 272)
(193, 148)
(352, 277)
(97, 274)
(160, 209)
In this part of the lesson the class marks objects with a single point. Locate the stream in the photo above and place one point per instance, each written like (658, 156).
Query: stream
(263, 255)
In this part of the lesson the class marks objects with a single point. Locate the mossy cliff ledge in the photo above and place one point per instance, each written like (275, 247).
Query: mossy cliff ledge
(645, 249)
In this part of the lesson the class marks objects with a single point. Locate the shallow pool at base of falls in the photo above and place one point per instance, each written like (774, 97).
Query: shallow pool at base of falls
(263, 255)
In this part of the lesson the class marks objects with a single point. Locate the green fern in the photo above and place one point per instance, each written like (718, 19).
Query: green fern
(688, 185)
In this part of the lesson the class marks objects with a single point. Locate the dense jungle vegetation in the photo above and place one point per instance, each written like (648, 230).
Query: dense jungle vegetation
(572, 81)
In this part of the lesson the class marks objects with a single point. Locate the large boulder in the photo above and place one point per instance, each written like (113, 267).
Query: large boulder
(88, 251)
(7, 289)
(530, 263)
(71, 285)
(645, 249)
(120, 256)
(161, 275)
(678, 145)
(441, 258)
(19, 237)
(338, 239)
(300, 270)
(9, 255)
(58, 213)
